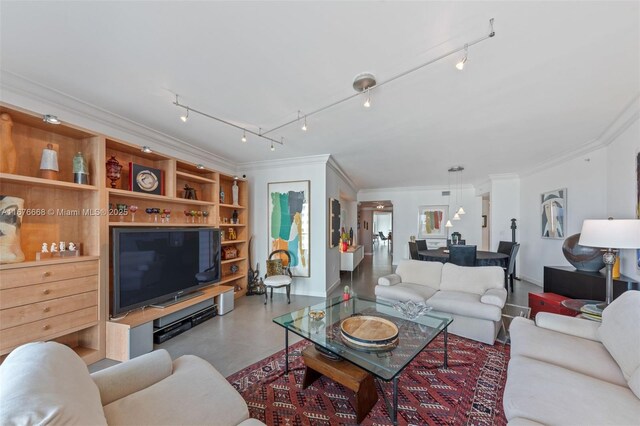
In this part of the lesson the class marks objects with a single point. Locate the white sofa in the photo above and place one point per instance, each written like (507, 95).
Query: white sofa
(572, 371)
(472, 296)
(46, 383)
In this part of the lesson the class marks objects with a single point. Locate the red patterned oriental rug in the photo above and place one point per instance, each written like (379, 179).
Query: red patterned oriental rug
(469, 392)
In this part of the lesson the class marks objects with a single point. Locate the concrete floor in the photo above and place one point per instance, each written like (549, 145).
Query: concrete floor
(247, 334)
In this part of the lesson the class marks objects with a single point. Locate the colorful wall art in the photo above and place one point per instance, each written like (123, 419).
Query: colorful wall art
(553, 210)
(431, 221)
(289, 204)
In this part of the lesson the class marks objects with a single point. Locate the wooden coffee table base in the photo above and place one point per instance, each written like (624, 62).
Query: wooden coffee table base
(345, 373)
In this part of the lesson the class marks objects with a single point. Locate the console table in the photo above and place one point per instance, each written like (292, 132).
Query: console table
(568, 281)
(350, 259)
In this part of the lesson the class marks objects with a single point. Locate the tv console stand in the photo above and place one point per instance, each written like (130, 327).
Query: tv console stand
(132, 335)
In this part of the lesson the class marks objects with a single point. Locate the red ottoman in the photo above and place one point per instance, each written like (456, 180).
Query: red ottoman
(549, 302)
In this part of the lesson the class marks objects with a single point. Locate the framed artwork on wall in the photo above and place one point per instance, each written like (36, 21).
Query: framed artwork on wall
(334, 222)
(289, 222)
(431, 221)
(553, 213)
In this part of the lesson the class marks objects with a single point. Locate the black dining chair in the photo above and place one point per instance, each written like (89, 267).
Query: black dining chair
(413, 250)
(422, 245)
(463, 255)
(504, 247)
(460, 242)
(510, 270)
(382, 237)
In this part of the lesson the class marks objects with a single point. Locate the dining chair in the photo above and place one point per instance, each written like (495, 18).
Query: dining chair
(422, 245)
(278, 274)
(504, 247)
(413, 250)
(463, 255)
(510, 270)
(460, 242)
(382, 236)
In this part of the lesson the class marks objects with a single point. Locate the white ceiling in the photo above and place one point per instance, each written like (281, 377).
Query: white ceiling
(551, 80)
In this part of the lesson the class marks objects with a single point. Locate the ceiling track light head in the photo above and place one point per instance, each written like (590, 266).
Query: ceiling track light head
(199, 167)
(455, 169)
(364, 82)
(146, 150)
(185, 117)
(273, 148)
(51, 119)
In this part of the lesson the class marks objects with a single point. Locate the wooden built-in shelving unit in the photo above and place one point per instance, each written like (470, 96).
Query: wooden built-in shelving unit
(85, 328)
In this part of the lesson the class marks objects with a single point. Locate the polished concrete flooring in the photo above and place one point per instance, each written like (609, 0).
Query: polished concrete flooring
(247, 334)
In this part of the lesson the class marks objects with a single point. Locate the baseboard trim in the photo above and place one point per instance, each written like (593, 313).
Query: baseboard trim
(333, 286)
(531, 280)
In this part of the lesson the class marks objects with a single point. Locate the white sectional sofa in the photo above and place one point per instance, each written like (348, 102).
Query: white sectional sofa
(572, 371)
(473, 296)
(48, 384)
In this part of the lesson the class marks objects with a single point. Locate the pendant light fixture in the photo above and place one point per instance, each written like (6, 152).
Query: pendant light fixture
(460, 211)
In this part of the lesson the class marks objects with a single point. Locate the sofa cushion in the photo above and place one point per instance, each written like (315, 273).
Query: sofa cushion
(462, 303)
(48, 383)
(471, 279)
(420, 272)
(571, 352)
(196, 393)
(620, 334)
(404, 292)
(391, 279)
(552, 395)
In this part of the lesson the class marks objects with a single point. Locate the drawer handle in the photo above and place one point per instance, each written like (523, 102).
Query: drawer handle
(46, 327)
(46, 274)
(47, 309)
(47, 291)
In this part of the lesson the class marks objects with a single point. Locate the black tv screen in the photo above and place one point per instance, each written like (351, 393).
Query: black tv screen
(155, 265)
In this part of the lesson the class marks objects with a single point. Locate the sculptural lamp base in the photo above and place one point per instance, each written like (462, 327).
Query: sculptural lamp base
(609, 258)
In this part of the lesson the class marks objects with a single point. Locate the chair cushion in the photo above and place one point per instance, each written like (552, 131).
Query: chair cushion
(195, 394)
(471, 279)
(420, 272)
(274, 267)
(275, 280)
(552, 395)
(48, 383)
(574, 353)
(465, 304)
(620, 334)
(405, 291)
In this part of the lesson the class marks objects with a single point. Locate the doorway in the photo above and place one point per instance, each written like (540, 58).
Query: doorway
(486, 222)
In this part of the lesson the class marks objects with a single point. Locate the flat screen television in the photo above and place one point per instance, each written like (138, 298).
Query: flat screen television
(151, 266)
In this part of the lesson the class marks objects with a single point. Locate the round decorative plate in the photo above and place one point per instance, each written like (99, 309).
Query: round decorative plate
(147, 180)
(369, 331)
(369, 347)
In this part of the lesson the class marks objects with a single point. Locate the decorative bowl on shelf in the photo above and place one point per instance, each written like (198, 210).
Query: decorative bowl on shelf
(411, 309)
(316, 315)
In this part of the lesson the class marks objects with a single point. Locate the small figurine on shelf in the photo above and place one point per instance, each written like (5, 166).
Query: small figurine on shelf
(346, 293)
(72, 247)
(45, 248)
(114, 169)
(232, 234)
(234, 217)
(234, 192)
(62, 246)
(221, 196)
(190, 192)
(54, 248)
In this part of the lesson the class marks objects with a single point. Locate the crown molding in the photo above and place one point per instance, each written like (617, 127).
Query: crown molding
(413, 188)
(30, 95)
(334, 165)
(284, 162)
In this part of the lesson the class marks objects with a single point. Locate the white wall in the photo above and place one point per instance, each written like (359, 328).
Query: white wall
(505, 205)
(585, 178)
(621, 186)
(313, 170)
(405, 213)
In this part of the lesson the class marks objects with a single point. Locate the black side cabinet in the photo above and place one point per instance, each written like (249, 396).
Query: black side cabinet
(568, 281)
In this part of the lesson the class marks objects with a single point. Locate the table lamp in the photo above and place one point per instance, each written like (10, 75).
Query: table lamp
(615, 234)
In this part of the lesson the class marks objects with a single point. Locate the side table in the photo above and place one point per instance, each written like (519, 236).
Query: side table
(586, 308)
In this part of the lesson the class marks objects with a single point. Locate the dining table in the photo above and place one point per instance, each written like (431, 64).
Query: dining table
(483, 258)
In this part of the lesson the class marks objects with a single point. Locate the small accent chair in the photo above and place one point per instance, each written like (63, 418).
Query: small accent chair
(509, 271)
(382, 236)
(278, 274)
(422, 244)
(462, 255)
(413, 250)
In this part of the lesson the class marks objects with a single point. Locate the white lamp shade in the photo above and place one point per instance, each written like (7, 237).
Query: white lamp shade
(448, 224)
(615, 233)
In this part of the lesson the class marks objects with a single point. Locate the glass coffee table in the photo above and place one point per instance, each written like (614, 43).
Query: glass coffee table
(414, 335)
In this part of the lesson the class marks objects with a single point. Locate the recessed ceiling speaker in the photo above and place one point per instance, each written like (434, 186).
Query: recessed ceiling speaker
(364, 81)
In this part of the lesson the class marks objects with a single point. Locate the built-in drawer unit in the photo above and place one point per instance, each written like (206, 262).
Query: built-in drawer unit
(48, 301)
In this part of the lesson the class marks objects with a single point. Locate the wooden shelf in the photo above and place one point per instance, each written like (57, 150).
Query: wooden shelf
(195, 178)
(237, 259)
(87, 354)
(35, 181)
(232, 277)
(225, 242)
(138, 317)
(47, 262)
(161, 198)
(231, 224)
(161, 225)
(232, 206)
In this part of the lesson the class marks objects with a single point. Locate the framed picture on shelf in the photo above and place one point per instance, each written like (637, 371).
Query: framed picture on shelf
(431, 221)
(553, 213)
(146, 179)
(289, 222)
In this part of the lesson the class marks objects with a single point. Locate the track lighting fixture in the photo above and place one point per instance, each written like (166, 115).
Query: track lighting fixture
(244, 136)
(184, 117)
(362, 82)
(51, 119)
(461, 62)
(199, 167)
(146, 150)
(273, 148)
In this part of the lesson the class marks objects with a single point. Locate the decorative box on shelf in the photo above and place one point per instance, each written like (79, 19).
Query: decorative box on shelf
(229, 252)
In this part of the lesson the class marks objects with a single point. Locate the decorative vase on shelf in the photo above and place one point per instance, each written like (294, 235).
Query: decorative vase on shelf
(10, 224)
(49, 163)
(8, 157)
(114, 169)
(234, 192)
(80, 169)
(234, 217)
